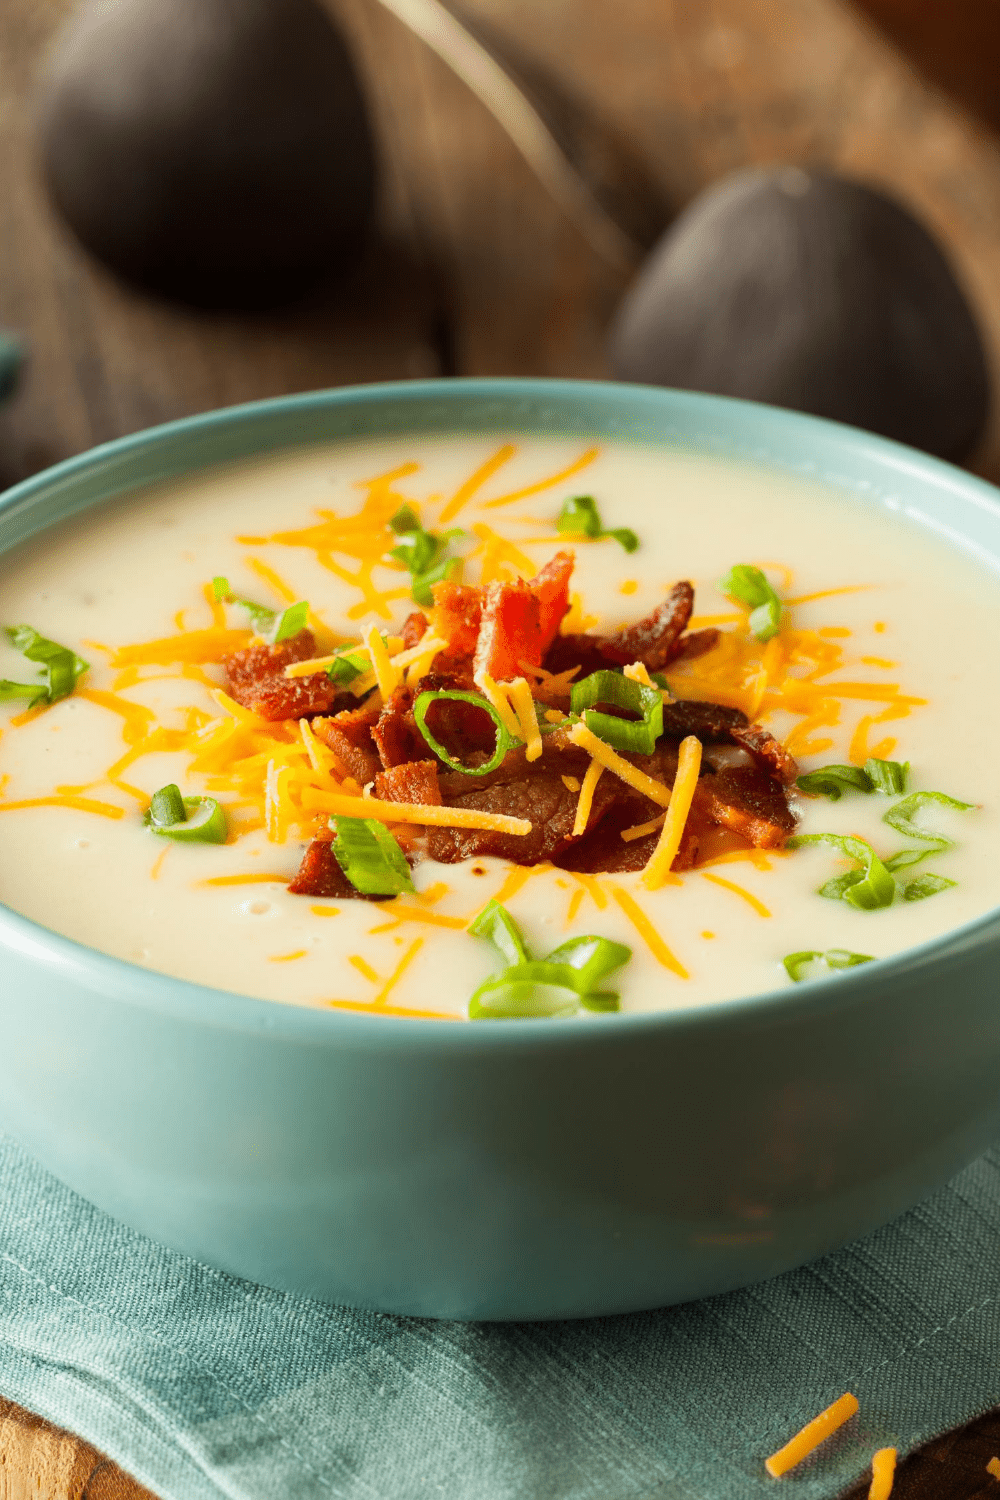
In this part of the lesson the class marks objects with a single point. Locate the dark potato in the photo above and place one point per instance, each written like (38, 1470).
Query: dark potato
(217, 151)
(806, 291)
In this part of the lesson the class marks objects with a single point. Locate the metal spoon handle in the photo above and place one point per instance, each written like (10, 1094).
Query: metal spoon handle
(492, 81)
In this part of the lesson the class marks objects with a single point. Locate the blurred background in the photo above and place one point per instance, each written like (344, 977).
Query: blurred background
(471, 266)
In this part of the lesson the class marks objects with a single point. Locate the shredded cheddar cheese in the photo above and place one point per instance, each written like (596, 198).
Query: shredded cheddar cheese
(737, 890)
(475, 482)
(197, 646)
(993, 1467)
(685, 782)
(386, 675)
(82, 804)
(524, 706)
(586, 458)
(640, 830)
(811, 1435)
(644, 927)
(883, 1473)
(412, 812)
(593, 775)
(612, 761)
(495, 693)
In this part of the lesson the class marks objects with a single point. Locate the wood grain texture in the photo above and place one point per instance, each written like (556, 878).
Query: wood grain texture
(476, 272)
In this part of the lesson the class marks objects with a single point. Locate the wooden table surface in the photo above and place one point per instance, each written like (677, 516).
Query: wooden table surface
(476, 272)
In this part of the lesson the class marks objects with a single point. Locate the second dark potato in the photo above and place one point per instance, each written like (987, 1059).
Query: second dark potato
(812, 292)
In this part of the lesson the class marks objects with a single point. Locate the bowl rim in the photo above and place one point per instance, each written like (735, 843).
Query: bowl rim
(119, 979)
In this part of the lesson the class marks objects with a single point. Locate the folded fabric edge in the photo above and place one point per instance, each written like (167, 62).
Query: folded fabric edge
(70, 1400)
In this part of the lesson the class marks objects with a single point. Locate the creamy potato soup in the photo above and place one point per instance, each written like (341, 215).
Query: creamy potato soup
(496, 638)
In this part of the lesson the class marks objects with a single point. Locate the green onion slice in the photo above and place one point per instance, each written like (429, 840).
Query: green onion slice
(902, 817)
(888, 776)
(370, 857)
(870, 888)
(580, 516)
(422, 553)
(62, 667)
(833, 781)
(423, 583)
(553, 986)
(405, 519)
(290, 622)
(907, 857)
(348, 666)
(639, 736)
(496, 924)
(833, 958)
(32, 692)
(748, 585)
(167, 806)
(926, 885)
(504, 740)
(195, 820)
(273, 624)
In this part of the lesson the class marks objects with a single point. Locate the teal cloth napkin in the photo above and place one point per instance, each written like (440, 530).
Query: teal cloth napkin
(204, 1386)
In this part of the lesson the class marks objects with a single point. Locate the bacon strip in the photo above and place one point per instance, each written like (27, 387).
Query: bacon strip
(256, 679)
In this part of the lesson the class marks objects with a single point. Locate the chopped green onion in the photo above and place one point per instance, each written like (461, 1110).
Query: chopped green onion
(504, 740)
(833, 958)
(62, 667)
(748, 585)
(902, 816)
(639, 736)
(836, 888)
(870, 888)
(496, 924)
(423, 583)
(405, 519)
(167, 806)
(370, 857)
(33, 692)
(290, 622)
(907, 857)
(833, 781)
(273, 624)
(552, 986)
(926, 885)
(421, 552)
(347, 666)
(591, 959)
(581, 517)
(888, 776)
(195, 820)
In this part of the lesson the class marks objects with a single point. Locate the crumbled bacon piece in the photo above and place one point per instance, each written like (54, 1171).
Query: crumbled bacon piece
(711, 722)
(320, 874)
(591, 653)
(654, 640)
(696, 643)
(416, 781)
(414, 629)
(349, 736)
(749, 801)
(396, 735)
(509, 632)
(767, 750)
(551, 588)
(256, 679)
(457, 611)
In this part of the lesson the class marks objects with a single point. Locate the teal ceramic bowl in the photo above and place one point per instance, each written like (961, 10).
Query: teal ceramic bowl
(525, 1169)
